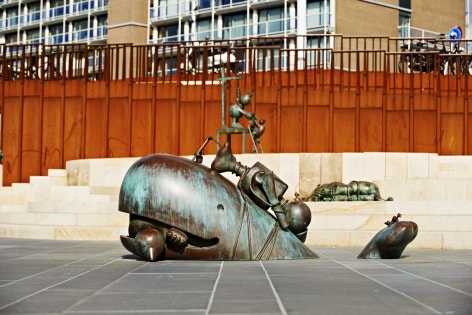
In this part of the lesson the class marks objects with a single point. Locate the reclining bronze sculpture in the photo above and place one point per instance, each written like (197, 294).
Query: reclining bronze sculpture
(181, 209)
(354, 191)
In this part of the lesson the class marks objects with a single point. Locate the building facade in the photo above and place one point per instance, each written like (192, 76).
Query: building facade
(101, 21)
(53, 21)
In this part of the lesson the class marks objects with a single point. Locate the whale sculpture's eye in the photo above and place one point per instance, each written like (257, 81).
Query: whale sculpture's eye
(220, 207)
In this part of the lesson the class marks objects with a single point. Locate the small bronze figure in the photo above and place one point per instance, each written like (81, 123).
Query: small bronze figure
(391, 241)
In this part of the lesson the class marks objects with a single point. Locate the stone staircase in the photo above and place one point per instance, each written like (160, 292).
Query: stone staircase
(48, 208)
(80, 202)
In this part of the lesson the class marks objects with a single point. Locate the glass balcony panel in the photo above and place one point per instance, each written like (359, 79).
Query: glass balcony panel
(169, 10)
(317, 20)
(80, 7)
(33, 17)
(262, 28)
(203, 35)
(57, 39)
(234, 32)
(102, 31)
(79, 35)
(276, 26)
(102, 3)
(56, 12)
(224, 3)
(12, 21)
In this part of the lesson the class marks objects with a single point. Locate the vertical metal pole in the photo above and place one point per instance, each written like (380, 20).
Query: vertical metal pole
(223, 101)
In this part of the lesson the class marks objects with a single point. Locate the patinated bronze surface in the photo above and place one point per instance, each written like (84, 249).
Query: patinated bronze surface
(236, 111)
(354, 191)
(391, 241)
(181, 209)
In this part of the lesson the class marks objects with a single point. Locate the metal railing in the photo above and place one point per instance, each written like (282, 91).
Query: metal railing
(204, 60)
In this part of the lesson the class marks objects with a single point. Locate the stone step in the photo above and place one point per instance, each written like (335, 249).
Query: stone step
(442, 224)
(426, 189)
(10, 198)
(15, 208)
(116, 219)
(445, 223)
(62, 232)
(97, 205)
(424, 239)
(389, 208)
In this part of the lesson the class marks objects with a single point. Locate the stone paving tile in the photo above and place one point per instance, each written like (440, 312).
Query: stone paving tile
(70, 277)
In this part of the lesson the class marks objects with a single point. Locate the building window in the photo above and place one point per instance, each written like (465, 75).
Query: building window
(80, 6)
(80, 30)
(170, 33)
(227, 2)
(204, 29)
(56, 34)
(12, 17)
(406, 4)
(234, 26)
(56, 3)
(32, 36)
(204, 4)
(168, 8)
(10, 38)
(317, 14)
(404, 18)
(404, 25)
(57, 8)
(102, 22)
(33, 12)
(271, 21)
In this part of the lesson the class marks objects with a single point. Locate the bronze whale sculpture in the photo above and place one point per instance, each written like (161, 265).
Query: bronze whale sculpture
(391, 241)
(181, 209)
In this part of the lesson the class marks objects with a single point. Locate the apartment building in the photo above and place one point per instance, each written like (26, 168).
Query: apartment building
(100, 21)
(53, 21)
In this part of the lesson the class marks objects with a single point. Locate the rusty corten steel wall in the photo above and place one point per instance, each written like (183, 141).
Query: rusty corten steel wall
(46, 123)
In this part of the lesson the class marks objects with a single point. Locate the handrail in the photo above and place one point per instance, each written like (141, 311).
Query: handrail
(203, 60)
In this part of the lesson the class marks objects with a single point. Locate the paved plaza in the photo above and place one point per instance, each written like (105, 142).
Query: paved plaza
(78, 277)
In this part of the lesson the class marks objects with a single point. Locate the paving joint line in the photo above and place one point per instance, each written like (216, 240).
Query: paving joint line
(277, 297)
(213, 291)
(385, 285)
(426, 279)
(54, 285)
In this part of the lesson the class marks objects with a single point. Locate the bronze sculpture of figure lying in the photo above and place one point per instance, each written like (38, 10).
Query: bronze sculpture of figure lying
(392, 240)
(354, 191)
(181, 209)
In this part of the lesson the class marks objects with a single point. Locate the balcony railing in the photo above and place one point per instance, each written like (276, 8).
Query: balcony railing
(55, 13)
(405, 59)
(82, 6)
(11, 22)
(272, 27)
(32, 18)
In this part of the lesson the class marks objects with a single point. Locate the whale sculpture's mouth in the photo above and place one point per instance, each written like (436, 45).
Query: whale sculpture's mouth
(195, 241)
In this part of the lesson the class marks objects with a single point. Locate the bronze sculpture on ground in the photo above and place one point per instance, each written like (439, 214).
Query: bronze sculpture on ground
(354, 191)
(181, 209)
(390, 242)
